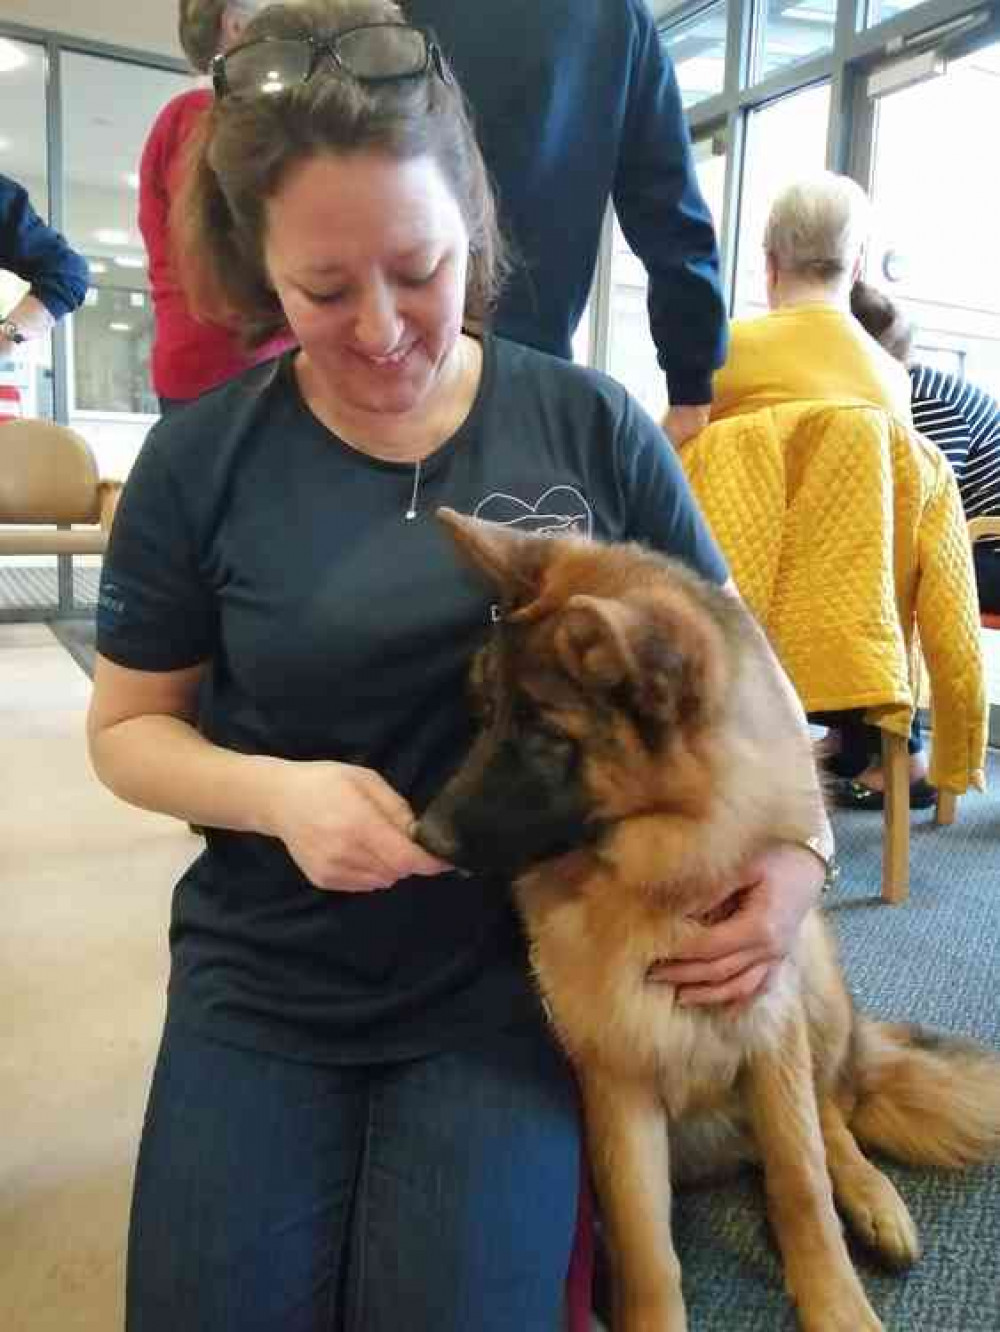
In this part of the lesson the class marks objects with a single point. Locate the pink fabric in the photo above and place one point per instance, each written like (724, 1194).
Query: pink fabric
(189, 357)
(580, 1279)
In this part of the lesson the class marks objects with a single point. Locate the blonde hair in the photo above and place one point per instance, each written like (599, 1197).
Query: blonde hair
(242, 150)
(817, 227)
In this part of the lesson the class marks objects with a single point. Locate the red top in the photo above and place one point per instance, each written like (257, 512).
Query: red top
(189, 357)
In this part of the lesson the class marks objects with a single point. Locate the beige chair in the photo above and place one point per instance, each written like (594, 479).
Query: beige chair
(52, 500)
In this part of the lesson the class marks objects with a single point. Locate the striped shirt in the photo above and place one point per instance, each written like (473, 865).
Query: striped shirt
(964, 422)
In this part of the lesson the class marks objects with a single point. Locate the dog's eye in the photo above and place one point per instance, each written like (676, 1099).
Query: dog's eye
(548, 737)
(558, 741)
(485, 708)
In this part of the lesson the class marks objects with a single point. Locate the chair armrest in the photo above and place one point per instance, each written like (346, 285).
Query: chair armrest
(108, 495)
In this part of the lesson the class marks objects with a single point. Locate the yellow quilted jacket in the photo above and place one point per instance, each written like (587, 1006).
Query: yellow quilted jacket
(844, 532)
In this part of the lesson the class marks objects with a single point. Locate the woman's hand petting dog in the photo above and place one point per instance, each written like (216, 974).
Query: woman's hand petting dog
(743, 946)
(346, 828)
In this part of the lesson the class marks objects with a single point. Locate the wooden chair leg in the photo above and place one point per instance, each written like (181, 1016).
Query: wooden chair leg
(896, 827)
(947, 804)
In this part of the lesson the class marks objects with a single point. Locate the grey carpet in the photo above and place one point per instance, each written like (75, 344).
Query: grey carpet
(937, 960)
(78, 637)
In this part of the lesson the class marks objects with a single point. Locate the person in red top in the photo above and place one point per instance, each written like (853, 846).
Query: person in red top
(189, 356)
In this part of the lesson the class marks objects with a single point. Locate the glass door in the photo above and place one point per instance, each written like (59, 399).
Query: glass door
(785, 139)
(631, 354)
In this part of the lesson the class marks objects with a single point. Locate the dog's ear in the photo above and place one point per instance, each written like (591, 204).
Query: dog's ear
(512, 561)
(594, 640)
(671, 671)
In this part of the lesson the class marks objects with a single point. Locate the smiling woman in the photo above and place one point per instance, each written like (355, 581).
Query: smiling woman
(368, 257)
(385, 1120)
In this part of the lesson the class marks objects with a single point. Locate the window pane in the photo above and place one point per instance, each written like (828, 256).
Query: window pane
(109, 107)
(710, 164)
(880, 10)
(631, 351)
(790, 33)
(785, 139)
(697, 48)
(26, 373)
(934, 248)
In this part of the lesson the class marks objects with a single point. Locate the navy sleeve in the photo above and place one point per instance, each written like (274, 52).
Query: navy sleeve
(57, 275)
(667, 223)
(660, 510)
(155, 609)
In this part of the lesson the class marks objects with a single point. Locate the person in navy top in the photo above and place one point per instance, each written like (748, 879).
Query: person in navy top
(575, 104)
(57, 276)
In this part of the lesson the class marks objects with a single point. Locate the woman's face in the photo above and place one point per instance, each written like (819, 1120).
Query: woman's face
(368, 256)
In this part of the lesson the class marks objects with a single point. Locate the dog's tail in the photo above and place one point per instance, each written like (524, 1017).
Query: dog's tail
(923, 1097)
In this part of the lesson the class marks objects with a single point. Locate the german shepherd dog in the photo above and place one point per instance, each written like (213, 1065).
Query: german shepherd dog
(637, 746)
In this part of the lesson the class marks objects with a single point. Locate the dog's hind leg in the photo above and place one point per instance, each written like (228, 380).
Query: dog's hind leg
(629, 1156)
(867, 1198)
(781, 1099)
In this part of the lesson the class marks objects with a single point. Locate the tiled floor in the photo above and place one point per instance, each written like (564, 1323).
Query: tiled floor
(85, 883)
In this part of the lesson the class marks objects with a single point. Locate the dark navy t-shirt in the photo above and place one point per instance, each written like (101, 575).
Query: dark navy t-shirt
(251, 536)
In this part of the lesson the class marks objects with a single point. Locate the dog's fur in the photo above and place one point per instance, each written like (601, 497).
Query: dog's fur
(638, 746)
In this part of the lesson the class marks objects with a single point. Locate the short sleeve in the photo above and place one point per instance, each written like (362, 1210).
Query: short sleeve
(660, 510)
(155, 609)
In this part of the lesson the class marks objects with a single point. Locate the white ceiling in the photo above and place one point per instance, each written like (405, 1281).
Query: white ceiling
(145, 25)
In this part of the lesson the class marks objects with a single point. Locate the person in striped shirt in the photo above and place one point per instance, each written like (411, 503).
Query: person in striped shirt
(960, 417)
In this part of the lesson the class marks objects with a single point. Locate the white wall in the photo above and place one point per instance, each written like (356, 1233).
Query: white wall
(150, 25)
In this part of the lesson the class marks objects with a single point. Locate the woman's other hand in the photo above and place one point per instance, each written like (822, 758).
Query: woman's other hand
(680, 423)
(345, 827)
(735, 960)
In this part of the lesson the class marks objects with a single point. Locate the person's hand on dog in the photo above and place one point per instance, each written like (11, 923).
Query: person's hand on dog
(346, 828)
(735, 959)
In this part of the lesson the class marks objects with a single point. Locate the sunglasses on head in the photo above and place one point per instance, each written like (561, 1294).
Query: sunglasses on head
(372, 53)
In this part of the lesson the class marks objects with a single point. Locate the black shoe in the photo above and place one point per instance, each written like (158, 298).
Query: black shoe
(855, 795)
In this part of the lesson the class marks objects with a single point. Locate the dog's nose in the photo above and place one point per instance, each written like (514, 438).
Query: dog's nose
(434, 836)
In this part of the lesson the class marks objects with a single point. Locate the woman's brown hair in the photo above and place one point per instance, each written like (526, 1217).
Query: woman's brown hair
(881, 317)
(245, 147)
(198, 27)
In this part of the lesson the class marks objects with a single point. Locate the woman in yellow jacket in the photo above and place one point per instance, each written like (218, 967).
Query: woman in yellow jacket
(809, 348)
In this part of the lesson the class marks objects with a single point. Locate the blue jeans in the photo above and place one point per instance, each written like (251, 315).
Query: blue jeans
(435, 1195)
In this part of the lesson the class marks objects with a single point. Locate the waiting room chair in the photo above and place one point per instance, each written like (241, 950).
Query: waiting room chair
(52, 498)
(844, 531)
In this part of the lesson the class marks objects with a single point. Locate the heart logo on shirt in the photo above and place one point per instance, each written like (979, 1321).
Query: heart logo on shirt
(560, 511)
